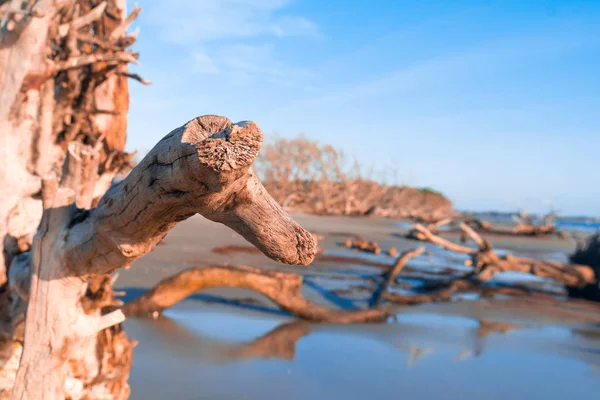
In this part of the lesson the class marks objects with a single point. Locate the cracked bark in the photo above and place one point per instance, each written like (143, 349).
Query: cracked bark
(202, 167)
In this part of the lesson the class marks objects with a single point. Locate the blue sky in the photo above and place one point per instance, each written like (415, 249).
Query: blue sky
(494, 103)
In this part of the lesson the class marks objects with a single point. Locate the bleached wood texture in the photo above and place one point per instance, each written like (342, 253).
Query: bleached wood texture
(202, 167)
(487, 263)
(62, 83)
(23, 59)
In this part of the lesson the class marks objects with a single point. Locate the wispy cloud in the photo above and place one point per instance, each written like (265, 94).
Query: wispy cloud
(244, 63)
(235, 38)
(189, 22)
(203, 63)
(431, 74)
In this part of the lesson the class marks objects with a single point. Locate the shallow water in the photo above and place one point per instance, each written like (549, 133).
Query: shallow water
(215, 352)
(436, 262)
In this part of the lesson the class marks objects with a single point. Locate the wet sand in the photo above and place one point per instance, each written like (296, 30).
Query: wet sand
(213, 347)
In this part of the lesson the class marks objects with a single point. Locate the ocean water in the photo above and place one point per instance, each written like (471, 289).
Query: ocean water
(583, 225)
(200, 352)
(590, 227)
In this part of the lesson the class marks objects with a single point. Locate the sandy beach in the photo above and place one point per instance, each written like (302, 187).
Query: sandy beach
(233, 344)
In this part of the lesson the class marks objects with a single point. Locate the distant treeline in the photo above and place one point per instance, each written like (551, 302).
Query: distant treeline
(310, 177)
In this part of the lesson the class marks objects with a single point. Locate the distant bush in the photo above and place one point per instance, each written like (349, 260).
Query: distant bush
(430, 190)
(315, 178)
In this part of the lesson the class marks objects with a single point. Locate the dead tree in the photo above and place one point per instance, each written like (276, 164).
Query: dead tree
(63, 101)
(390, 276)
(64, 79)
(63, 110)
(202, 167)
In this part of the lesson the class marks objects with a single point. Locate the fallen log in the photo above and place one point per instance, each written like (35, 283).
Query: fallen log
(525, 226)
(284, 289)
(487, 263)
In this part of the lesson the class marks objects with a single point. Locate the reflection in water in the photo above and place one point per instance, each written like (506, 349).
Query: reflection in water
(278, 343)
(211, 354)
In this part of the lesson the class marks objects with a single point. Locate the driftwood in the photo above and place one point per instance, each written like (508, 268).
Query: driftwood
(487, 263)
(202, 167)
(448, 290)
(363, 245)
(281, 288)
(433, 227)
(63, 92)
(524, 226)
(441, 288)
(391, 275)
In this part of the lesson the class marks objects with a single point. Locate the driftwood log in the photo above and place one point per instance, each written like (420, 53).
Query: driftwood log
(487, 263)
(281, 288)
(201, 167)
(524, 226)
(390, 276)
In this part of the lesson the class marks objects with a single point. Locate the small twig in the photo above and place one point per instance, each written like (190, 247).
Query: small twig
(78, 23)
(120, 30)
(88, 59)
(136, 77)
(86, 38)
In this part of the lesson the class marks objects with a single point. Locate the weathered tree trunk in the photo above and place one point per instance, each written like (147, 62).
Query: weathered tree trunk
(63, 71)
(202, 167)
(63, 104)
(23, 61)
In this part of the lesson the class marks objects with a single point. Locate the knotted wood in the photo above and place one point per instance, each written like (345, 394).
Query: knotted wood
(201, 167)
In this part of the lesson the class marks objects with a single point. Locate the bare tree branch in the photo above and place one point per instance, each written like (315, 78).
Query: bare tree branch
(391, 275)
(282, 288)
